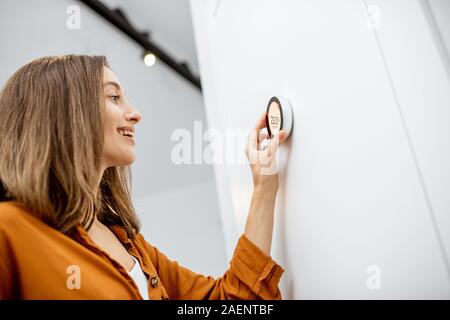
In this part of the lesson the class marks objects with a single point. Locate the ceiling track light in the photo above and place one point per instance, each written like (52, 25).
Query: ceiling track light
(149, 59)
(118, 18)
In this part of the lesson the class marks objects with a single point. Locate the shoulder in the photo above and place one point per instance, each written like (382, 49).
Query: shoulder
(13, 216)
(10, 212)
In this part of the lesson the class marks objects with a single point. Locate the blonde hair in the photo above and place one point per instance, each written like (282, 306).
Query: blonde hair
(51, 144)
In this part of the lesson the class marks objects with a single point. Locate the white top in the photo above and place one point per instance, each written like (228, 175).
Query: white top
(140, 279)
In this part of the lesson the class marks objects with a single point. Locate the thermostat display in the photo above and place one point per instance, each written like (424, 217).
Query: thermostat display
(279, 116)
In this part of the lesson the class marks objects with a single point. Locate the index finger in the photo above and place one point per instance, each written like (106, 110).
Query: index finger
(261, 121)
(254, 133)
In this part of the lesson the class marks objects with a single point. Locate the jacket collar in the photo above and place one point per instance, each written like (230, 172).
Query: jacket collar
(119, 231)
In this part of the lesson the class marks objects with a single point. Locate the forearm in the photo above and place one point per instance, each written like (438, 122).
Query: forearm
(259, 225)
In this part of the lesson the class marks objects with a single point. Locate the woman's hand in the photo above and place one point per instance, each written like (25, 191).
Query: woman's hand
(263, 162)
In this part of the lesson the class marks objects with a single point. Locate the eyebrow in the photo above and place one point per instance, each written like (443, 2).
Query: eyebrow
(114, 84)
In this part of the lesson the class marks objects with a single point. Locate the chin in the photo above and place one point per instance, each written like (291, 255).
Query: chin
(122, 160)
(126, 161)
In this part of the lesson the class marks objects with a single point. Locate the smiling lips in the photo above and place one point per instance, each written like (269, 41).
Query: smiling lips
(126, 132)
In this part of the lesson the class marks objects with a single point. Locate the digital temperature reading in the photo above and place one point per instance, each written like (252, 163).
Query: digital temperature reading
(279, 116)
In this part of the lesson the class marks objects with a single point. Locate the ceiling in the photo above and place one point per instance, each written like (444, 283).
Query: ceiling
(169, 23)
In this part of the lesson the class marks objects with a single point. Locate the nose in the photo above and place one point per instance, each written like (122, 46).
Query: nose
(133, 114)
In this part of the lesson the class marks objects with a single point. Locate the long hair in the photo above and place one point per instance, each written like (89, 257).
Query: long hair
(51, 142)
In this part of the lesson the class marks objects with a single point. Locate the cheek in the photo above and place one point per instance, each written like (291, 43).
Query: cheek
(110, 128)
(110, 136)
(116, 150)
(111, 120)
(112, 112)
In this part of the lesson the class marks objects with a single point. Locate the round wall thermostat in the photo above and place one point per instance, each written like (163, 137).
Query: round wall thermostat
(279, 116)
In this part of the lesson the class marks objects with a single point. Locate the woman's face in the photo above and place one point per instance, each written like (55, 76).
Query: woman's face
(120, 118)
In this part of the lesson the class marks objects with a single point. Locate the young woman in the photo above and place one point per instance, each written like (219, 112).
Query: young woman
(68, 229)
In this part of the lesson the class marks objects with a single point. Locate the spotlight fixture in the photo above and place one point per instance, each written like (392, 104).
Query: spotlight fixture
(149, 59)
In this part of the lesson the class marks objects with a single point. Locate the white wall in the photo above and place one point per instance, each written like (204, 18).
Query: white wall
(177, 205)
(365, 175)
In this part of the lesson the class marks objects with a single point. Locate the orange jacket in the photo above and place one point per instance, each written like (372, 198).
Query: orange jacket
(39, 262)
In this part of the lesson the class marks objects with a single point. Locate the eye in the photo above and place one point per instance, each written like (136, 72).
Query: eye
(115, 99)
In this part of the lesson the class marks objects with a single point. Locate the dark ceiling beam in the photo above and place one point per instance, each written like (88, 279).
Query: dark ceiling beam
(118, 19)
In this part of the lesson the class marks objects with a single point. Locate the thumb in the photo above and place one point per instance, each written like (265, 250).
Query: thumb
(282, 136)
